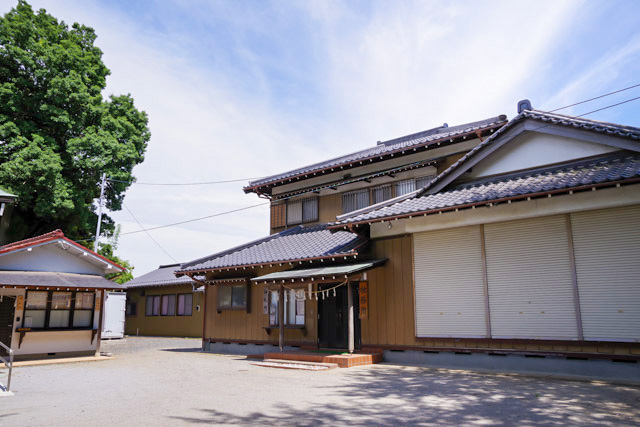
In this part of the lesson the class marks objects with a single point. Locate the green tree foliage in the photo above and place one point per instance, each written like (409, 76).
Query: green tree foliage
(107, 251)
(57, 133)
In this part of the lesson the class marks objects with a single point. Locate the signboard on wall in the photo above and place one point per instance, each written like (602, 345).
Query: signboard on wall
(363, 292)
(20, 303)
(265, 301)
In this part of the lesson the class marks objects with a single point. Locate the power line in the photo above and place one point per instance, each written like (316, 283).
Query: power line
(609, 106)
(285, 198)
(196, 219)
(185, 183)
(148, 234)
(597, 97)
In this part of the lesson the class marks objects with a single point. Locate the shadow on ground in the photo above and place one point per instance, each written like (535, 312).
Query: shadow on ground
(405, 395)
(183, 350)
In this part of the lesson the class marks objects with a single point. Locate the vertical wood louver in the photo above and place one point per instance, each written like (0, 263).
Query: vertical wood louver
(607, 251)
(449, 283)
(529, 279)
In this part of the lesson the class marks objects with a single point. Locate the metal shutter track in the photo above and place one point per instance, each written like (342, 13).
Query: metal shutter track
(449, 283)
(607, 250)
(529, 277)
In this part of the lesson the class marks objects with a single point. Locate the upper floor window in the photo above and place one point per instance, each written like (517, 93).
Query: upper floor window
(405, 187)
(305, 210)
(355, 200)
(381, 193)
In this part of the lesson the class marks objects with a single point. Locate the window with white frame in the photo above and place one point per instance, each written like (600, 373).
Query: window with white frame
(355, 200)
(294, 307)
(301, 211)
(35, 312)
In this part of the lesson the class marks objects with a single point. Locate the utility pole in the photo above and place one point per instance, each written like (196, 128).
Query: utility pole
(100, 202)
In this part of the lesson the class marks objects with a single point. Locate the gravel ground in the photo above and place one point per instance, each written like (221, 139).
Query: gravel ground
(165, 381)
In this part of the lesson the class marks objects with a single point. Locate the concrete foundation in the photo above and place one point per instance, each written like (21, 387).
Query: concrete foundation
(628, 372)
(244, 349)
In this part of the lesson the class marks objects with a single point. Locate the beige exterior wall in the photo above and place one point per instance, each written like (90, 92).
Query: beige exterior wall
(167, 326)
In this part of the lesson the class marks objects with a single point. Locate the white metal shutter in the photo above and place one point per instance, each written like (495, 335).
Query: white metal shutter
(294, 212)
(530, 280)
(449, 283)
(607, 250)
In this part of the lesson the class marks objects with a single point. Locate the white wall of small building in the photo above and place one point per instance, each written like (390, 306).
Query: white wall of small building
(48, 257)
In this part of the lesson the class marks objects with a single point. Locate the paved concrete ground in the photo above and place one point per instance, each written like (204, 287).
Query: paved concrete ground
(168, 382)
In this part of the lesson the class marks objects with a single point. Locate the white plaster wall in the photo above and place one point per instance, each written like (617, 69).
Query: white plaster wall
(536, 149)
(47, 258)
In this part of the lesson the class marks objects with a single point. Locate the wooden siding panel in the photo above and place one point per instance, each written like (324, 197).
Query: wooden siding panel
(330, 206)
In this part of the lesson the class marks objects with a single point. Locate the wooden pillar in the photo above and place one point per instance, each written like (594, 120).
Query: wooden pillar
(351, 342)
(204, 318)
(100, 319)
(281, 318)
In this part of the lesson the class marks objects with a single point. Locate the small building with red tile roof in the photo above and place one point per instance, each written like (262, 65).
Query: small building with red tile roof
(52, 293)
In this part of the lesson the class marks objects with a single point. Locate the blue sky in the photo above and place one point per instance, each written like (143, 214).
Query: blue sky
(239, 89)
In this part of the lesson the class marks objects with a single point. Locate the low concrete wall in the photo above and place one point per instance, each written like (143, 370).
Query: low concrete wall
(549, 365)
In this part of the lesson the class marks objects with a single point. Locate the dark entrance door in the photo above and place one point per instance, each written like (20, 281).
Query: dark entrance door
(7, 310)
(333, 318)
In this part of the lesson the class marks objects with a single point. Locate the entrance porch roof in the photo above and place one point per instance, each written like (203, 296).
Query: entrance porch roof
(337, 272)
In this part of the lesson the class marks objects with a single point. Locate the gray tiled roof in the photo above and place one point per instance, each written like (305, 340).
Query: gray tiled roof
(398, 144)
(612, 129)
(52, 279)
(162, 276)
(298, 243)
(596, 171)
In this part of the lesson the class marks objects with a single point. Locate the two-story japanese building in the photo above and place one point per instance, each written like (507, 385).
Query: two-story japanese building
(503, 243)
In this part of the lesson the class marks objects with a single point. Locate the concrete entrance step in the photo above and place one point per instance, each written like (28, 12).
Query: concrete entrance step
(290, 364)
(342, 360)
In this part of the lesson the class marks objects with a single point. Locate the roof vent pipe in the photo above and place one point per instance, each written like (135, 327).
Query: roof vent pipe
(525, 104)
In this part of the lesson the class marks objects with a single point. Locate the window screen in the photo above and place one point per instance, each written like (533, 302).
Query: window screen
(300, 211)
(423, 181)
(405, 187)
(310, 210)
(239, 296)
(294, 212)
(381, 193)
(354, 200)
